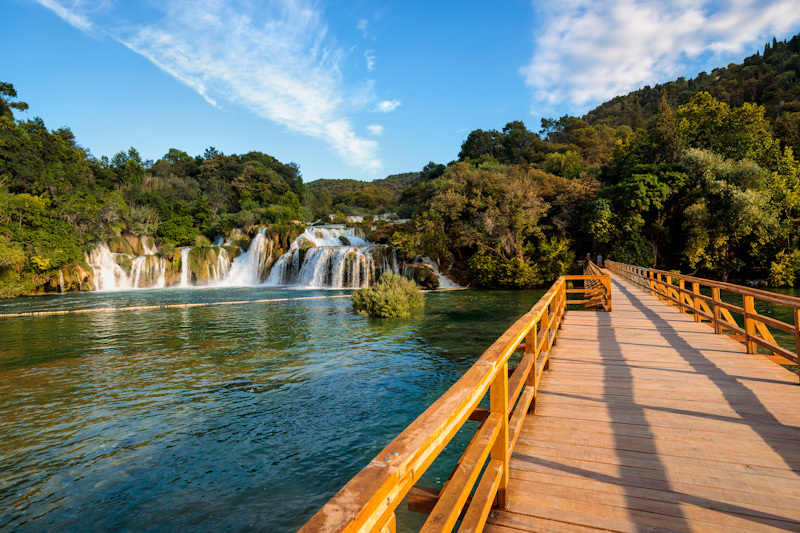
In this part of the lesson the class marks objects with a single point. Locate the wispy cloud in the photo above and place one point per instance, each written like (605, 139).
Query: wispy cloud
(590, 51)
(276, 60)
(375, 129)
(387, 106)
(70, 13)
(369, 57)
(362, 27)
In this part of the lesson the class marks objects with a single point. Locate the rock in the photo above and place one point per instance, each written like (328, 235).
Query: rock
(423, 275)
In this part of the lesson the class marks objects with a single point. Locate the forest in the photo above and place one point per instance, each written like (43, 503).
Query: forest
(698, 176)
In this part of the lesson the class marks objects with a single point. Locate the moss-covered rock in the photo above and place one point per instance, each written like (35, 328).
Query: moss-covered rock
(137, 248)
(120, 245)
(124, 261)
(243, 241)
(423, 276)
(233, 251)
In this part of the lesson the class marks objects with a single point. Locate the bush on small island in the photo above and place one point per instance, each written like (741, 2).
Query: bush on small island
(393, 296)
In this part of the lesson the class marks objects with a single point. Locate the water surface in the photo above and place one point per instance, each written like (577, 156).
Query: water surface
(230, 417)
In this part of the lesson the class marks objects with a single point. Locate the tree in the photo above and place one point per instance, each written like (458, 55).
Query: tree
(724, 221)
(7, 92)
(479, 143)
(664, 134)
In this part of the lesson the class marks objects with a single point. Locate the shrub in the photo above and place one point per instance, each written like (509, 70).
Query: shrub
(393, 296)
(784, 270)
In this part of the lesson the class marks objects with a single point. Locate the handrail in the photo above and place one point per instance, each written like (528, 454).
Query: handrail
(754, 331)
(368, 501)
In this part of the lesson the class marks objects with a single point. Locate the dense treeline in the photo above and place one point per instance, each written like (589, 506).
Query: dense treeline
(353, 197)
(703, 188)
(57, 201)
(673, 177)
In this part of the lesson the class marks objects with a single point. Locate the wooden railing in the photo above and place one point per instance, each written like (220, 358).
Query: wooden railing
(369, 500)
(753, 329)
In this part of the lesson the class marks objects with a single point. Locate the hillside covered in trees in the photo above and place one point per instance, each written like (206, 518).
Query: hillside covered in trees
(698, 176)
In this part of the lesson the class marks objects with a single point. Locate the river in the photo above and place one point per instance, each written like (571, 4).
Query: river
(229, 417)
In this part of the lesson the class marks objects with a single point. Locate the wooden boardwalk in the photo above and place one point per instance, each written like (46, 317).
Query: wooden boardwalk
(648, 421)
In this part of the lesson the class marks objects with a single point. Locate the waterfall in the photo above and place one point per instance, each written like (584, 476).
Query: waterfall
(61, 280)
(186, 272)
(248, 269)
(331, 258)
(319, 258)
(147, 249)
(108, 274)
(148, 271)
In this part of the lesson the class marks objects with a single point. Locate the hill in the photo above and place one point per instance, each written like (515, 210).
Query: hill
(770, 80)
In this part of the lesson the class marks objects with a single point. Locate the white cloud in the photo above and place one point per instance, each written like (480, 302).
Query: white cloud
(387, 106)
(375, 129)
(275, 60)
(369, 57)
(591, 51)
(70, 14)
(362, 27)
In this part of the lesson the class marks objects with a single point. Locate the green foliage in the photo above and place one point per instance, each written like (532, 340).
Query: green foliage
(393, 296)
(784, 271)
(725, 216)
(553, 258)
(178, 230)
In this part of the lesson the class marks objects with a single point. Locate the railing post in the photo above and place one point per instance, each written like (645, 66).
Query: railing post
(715, 296)
(696, 292)
(652, 283)
(681, 296)
(607, 287)
(749, 323)
(498, 403)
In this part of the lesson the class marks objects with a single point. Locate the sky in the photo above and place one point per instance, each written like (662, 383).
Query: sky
(356, 89)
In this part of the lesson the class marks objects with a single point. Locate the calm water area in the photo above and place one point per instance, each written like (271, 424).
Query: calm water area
(235, 418)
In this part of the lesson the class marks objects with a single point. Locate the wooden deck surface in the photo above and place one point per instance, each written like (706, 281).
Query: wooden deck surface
(648, 421)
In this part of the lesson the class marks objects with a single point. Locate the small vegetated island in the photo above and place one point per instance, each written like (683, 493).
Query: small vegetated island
(697, 175)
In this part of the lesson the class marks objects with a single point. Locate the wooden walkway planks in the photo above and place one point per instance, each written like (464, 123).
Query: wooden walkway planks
(648, 421)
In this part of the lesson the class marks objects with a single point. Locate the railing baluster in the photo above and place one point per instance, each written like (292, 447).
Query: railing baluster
(716, 309)
(749, 323)
(681, 296)
(498, 403)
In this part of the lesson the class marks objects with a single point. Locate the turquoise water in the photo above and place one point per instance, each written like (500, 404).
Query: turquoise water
(230, 417)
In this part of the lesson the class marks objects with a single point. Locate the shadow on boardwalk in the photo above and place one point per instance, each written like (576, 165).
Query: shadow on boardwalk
(651, 422)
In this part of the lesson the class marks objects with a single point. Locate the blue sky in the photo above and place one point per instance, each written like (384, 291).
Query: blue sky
(359, 89)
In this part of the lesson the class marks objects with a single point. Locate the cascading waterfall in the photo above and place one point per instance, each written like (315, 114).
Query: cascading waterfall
(186, 273)
(148, 271)
(61, 280)
(320, 258)
(331, 258)
(108, 274)
(248, 269)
